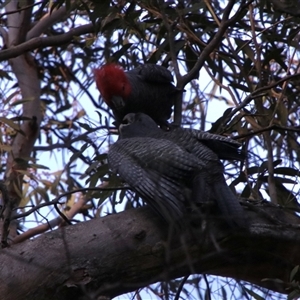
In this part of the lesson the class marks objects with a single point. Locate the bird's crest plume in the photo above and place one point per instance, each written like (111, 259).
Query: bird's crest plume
(111, 81)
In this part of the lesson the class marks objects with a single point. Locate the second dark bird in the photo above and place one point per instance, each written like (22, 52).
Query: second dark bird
(172, 169)
(147, 88)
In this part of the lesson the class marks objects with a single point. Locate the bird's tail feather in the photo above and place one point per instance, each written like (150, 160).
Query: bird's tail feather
(229, 205)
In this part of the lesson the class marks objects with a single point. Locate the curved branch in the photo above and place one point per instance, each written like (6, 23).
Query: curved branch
(269, 128)
(45, 42)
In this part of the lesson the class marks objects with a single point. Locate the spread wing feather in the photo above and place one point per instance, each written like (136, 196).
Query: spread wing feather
(156, 170)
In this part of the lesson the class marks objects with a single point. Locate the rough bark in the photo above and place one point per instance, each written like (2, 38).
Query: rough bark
(25, 70)
(123, 252)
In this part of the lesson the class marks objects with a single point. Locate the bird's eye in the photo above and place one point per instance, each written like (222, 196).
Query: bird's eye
(125, 122)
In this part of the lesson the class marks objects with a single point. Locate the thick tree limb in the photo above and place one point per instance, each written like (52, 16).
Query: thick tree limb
(123, 252)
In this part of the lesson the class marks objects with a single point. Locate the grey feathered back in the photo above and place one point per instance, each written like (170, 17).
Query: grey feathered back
(157, 170)
(171, 169)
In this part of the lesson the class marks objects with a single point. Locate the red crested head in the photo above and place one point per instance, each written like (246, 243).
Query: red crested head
(111, 80)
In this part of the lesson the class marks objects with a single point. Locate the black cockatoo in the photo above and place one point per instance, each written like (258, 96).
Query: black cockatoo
(172, 169)
(147, 89)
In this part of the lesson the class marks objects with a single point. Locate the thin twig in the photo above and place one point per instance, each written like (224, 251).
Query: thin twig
(183, 281)
(274, 126)
(178, 99)
(56, 200)
(36, 230)
(223, 86)
(63, 217)
(208, 291)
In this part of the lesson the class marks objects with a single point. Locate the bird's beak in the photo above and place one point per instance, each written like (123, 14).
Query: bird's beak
(118, 102)
(127, 120)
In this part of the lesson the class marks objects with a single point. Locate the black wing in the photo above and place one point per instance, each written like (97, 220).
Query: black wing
(152, 73)
(157, 170)
(223, 147)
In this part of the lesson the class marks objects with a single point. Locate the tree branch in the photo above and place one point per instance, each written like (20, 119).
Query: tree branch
(225, 23)
(40, 42)
(269, 128)
(138, 238)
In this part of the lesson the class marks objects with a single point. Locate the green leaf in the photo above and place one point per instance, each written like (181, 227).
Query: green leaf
(37, 166)
(121, 52)
(190, 59)
(15, 103)
(84, 126)
(78, 153)
(286, 171)
(253, 294)
(221, 122)
(11, 124)
(243, 45)
(294, 272)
